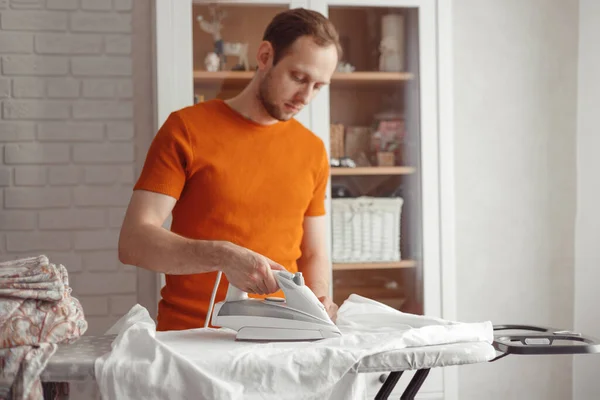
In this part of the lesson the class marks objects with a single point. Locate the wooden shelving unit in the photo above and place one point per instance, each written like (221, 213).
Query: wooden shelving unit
(357, 100)
(374, 265)
(341, 171)
(242, 77)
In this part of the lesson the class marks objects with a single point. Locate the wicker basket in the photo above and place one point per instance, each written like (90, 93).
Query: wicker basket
(366, 229)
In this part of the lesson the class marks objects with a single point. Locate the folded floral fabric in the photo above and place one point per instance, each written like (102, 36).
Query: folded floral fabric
(37, 312)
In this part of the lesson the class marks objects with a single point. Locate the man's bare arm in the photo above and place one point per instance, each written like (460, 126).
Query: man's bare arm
(314, 262)
(143, 241)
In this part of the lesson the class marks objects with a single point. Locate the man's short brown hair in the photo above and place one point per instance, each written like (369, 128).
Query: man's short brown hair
(289, 25)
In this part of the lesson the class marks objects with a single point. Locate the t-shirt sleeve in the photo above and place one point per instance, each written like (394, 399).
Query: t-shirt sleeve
(168, 159)
(316, 206)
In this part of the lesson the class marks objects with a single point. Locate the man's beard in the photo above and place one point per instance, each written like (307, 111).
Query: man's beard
(264, 96)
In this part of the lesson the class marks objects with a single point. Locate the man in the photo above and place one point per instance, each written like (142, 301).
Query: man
(244, 181)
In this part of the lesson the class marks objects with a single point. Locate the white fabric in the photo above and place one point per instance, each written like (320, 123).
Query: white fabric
(209, 364)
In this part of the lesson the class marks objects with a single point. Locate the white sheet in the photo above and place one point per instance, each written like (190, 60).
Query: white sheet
(209, 364)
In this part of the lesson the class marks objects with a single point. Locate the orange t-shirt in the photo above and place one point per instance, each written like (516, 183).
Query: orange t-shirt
(235, 180)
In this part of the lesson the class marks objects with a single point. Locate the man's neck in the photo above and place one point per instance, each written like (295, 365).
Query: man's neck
(247, 104)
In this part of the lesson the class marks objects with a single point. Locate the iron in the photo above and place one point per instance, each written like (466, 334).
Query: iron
(299, 316)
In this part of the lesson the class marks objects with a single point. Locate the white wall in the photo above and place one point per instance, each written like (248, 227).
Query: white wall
(515, 126)
(586, 384)
(75, 124)
(66, 135)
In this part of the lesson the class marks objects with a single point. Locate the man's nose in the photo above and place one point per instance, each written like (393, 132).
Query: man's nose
(304, 95)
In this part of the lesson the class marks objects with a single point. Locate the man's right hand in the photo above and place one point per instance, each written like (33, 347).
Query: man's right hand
(250, 271)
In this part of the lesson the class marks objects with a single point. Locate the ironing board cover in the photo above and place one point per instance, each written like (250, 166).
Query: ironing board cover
(75, 362)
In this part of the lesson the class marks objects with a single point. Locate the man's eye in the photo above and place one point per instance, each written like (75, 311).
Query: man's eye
(296, 78)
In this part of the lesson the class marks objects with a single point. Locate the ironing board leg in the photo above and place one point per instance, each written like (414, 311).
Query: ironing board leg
(386, 389)
(415, 384)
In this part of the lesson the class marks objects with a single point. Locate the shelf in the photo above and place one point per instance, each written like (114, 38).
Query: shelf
(343, 171)
(392, 298)
(240, 77)
(364, 77)
(374, 265)
(216, 77)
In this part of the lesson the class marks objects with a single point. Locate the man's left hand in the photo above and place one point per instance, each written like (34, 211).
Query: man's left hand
(330, 306)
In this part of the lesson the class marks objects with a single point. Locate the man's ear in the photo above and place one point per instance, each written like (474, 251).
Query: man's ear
(264, 56)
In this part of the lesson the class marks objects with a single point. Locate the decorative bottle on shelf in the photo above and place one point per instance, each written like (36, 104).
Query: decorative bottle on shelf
(391, 47)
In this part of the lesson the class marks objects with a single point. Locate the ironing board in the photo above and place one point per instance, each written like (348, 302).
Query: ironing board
(520, 340)
(422, 360)
(75, 362)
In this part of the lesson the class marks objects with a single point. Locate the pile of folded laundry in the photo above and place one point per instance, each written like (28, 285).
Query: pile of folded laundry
(37, 312)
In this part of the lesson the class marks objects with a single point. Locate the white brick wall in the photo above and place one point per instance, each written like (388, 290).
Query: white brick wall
(66, 143)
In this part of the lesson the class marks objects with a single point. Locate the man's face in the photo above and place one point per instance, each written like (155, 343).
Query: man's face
(293, 82)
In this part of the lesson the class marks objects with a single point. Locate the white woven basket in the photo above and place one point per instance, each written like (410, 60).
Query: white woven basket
(366, 229)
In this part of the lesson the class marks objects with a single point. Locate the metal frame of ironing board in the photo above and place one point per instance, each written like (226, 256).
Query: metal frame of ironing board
(541, 342)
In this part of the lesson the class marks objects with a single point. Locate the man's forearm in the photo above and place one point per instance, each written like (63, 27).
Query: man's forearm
(316, 274)
(157, 249)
